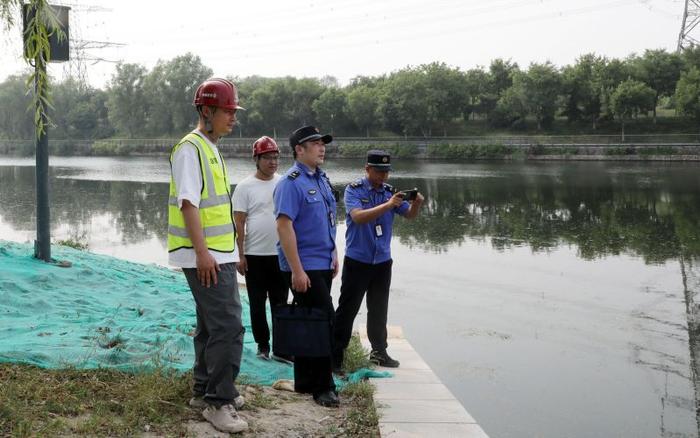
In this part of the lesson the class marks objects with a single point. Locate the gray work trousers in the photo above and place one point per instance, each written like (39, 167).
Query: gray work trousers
(218, 338)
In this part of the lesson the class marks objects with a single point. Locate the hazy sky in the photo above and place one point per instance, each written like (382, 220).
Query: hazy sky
(357, 37)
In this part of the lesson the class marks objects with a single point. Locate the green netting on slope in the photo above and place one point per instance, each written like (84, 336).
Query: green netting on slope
(104, 312)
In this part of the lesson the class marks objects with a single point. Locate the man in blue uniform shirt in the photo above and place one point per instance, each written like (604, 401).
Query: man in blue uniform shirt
(371, 205)
(305, 210)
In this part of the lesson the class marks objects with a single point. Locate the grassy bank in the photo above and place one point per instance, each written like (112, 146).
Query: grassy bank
(40, 402)
(95, 402)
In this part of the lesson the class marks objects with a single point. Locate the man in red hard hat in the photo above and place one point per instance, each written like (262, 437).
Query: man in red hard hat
(202, 241)
(253, 212)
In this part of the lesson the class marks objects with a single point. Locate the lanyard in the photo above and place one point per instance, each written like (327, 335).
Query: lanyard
(324, 194)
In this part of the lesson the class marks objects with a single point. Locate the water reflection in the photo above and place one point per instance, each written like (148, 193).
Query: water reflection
(600, 212)
(133, 209)
(597, 210)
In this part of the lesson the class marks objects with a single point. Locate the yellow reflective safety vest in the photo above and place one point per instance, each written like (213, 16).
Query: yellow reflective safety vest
(215, 208)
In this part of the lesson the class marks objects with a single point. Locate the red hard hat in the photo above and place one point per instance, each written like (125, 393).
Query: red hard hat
(264, 145)
(217, 92)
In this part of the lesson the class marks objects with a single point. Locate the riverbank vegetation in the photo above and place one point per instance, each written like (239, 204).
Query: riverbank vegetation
(651, 92)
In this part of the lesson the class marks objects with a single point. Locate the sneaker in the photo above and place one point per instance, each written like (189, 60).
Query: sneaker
(263, 353)
(289, 360)
(198, 402)
(383, 359)
(225, 419)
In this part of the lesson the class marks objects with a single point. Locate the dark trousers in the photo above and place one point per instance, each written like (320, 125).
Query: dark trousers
(314, 375)
(359, 278)
(264, 279)
(218, 338)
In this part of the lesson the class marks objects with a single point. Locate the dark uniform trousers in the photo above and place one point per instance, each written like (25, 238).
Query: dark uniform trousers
(357, 279)
(218, 339)
(314, 375)
(264, 279)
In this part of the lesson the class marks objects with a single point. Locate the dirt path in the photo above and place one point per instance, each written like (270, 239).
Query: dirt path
(274, 413)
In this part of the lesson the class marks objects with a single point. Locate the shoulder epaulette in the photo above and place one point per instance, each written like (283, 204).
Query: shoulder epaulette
(356, 184)
(294, 174)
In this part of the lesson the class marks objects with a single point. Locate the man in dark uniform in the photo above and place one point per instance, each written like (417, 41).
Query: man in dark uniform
(371, 205)
(305, 210)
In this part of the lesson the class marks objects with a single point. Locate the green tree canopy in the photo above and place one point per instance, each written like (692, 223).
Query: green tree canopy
(363, 105)
(476, 84)
(447, 94)
(169, 89)
(15, 117)
(660, 70)
(80, 111)
(582, 88)
(540, 89)
(403, 103)
(511, 109)
(500, 78)
(630, 99)
(687, 94)
(127, 103)
(330, 109)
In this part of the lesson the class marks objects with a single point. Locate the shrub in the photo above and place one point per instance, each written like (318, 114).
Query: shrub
(403, 150)
(469, 151)
(353, 150)
(658, 150)
(356, 150)
(110, 148)
(537, 149)
(621, 150)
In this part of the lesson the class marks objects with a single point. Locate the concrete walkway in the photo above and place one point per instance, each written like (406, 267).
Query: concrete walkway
(415, 403)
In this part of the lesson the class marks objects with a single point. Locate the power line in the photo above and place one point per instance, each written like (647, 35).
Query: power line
(360, 20)
(421, 35)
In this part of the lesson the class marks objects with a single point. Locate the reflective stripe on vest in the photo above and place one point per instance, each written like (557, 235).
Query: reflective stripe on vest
(215, 210)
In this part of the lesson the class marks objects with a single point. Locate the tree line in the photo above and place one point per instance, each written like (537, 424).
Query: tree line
(426, 100)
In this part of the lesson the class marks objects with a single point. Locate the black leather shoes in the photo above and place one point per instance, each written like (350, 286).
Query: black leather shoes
(383, 359)
(328, 399)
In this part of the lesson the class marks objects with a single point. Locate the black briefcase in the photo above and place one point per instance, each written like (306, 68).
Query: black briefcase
(301, 331)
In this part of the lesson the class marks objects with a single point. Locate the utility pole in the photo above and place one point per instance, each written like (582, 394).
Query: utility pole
(58, 51)
(42, 244)
(691, 18)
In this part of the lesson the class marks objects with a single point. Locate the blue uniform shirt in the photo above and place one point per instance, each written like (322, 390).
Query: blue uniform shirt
(362, 242)
(307, 199)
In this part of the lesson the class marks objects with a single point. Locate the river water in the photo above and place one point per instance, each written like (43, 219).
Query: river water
(553, 299)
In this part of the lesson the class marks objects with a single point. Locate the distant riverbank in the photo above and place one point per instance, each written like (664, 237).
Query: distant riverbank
(667, 147)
